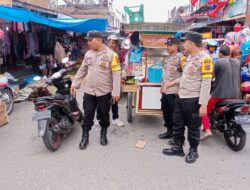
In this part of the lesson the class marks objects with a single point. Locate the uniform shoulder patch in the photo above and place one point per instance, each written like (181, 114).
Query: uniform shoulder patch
(115, 64)
(207, 67)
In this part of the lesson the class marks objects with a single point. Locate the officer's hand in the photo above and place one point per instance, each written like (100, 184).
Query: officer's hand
(161, 90)
(116, 98)
(169, 84)
(203, 110)
(73, 90)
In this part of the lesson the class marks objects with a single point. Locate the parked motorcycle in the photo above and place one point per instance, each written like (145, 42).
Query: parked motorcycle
(229, 117)
(54, 113)
(7, 96)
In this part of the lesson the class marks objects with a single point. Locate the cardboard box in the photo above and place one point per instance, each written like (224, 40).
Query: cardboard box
(141, 144)
(3, 114)
(2, 107)
(4, 120)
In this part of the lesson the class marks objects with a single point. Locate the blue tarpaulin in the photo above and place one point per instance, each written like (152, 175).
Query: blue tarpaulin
(70, 24)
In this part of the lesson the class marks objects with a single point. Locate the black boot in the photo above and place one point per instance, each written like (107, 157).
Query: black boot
(174, 151)
(103, 137)
(192, 155)
(172, 142)
(167, 135)
(85, 140)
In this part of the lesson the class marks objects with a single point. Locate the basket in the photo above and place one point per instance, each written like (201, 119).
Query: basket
(3, 114)
(129, 88)
(155, 73)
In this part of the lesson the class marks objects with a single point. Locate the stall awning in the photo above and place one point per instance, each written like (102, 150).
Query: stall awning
(69, 24)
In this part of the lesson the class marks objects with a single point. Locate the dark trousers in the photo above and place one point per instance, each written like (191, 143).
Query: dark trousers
(89, 106)
(167, 106)
(115, 112)
(186, 113)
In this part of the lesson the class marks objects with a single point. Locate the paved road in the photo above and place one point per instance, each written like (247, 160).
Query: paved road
(25, 163)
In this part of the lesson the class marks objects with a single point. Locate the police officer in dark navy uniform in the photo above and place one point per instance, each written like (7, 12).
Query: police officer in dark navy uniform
(192, 99)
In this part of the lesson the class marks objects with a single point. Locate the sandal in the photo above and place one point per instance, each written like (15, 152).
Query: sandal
(206, 135)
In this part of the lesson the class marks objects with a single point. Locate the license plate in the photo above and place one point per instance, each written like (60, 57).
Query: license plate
(242, 119)
(41, 115)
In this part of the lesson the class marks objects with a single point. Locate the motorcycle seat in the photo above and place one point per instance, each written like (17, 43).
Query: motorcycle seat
(55, 97)
(231, 103)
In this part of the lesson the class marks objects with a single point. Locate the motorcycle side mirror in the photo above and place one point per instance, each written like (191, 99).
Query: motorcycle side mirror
(65, 60)
(37, 78)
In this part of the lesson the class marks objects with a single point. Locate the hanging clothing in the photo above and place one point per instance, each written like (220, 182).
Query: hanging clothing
(21, 47)
(14, 26)
(20, 27)
(5, 46)
(59, 53)
(31, 44)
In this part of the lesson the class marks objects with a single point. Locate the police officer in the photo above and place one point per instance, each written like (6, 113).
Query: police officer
(101, 71)
(192, 99)
(113, 43)
(172, 70)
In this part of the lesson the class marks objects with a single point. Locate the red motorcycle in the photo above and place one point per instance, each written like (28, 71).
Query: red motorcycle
(7, 96)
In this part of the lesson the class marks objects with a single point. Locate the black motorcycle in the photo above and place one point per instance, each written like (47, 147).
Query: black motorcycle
(57, 114)
(229, 117)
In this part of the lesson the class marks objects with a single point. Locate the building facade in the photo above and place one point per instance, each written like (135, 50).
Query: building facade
(235, 12)
(95, 9)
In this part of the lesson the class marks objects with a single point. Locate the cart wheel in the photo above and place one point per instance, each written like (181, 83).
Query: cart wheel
(129, 107)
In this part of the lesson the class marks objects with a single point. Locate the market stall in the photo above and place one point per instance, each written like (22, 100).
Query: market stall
(144, 73)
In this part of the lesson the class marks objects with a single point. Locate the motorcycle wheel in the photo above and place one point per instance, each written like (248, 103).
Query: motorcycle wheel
(236, 138)
(8, 99)
(51, 138)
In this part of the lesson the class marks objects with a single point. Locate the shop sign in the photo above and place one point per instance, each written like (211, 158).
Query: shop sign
(6, 3)
(1, 34)
(237, 9)
(154, 40)
(206, 35)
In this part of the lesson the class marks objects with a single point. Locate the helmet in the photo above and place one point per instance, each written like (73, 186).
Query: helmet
(113, 37)
(212, 43)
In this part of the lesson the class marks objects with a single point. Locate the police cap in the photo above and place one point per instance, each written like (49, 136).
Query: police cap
(194, 37)
(172, 41)
(93, 34)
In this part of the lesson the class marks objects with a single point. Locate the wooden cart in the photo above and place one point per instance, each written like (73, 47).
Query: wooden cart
(144, 95)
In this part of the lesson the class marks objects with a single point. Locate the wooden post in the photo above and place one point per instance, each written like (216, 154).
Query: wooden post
(247, 19)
